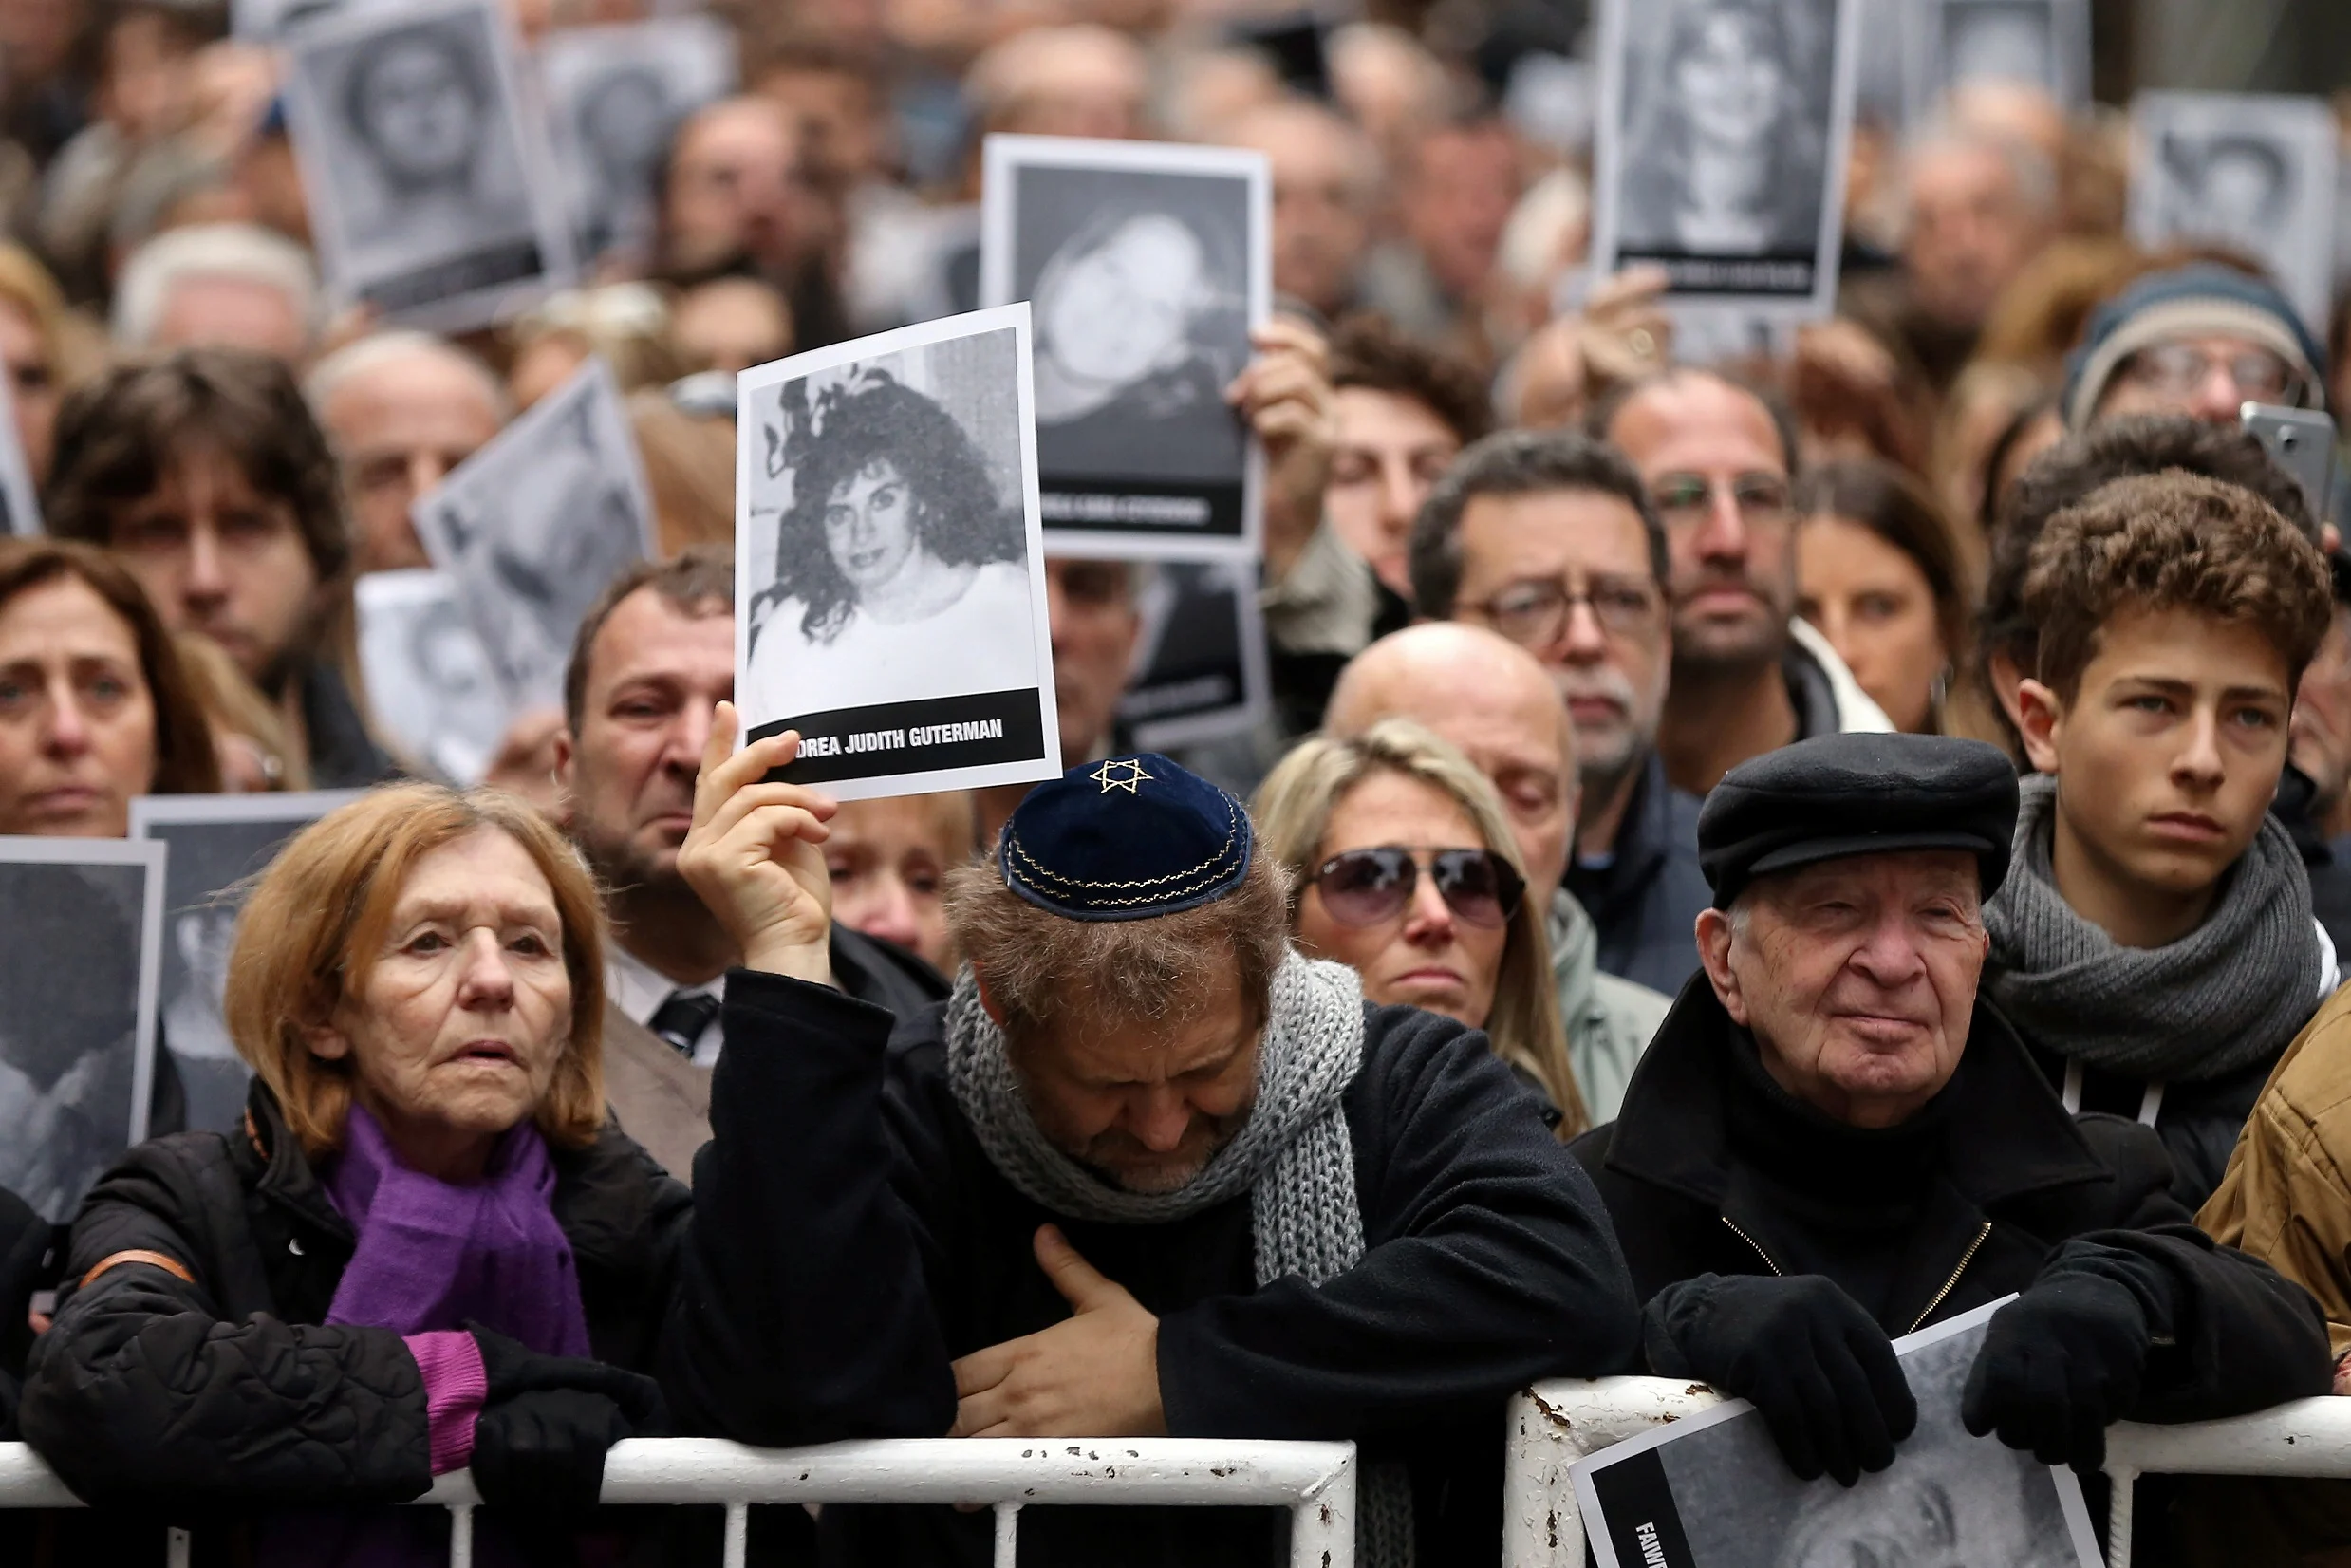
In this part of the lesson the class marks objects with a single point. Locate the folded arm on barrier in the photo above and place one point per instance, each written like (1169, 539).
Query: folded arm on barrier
(1489, 1262)
(140, 1388)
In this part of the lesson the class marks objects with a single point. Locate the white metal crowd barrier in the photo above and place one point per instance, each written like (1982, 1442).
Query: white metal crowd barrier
(1315, 1481)
(1553, 1425)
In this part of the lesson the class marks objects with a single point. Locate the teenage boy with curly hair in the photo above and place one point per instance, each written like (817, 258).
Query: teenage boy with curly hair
(2154, 943)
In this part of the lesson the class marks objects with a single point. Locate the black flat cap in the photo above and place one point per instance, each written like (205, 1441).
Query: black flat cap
(1857, 795)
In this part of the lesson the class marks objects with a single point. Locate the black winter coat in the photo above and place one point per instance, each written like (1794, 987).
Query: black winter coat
(2199, 1123)
(2019, 1176)
(1489, 1265)
(151, 1392)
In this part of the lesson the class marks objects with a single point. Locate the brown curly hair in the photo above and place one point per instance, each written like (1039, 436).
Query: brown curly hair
(1367, 351)
(2173, 541)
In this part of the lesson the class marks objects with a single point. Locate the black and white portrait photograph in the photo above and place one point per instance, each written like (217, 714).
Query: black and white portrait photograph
(429, 680)
(216, 843)
(614, 97)
(429, 183)
(1711, 1491)
(2043, 43)
(1200, 670)
(77, 1011)
(533, 525)
(1144, 267)
(267, 21)
(1721, 142)
(889, 585)
(2252, 172)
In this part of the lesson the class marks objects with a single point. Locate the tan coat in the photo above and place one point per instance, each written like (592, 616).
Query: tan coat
(2285, 1199)
(2286, 1195)
(662, 1099)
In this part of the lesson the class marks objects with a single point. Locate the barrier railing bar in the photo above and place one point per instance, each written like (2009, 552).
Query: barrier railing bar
(1007, 1535)
(2124, 1482)
(1315, 1481)
(1555, 1424)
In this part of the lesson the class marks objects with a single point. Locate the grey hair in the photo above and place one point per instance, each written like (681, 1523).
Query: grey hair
(245, 251)
(2034, 175)
(1518, 462)
(381, 348)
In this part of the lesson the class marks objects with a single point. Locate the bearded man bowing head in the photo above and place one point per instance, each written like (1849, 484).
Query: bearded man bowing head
(1148, 1171)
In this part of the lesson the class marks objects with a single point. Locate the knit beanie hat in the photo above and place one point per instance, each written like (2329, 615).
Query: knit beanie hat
(2188, 302)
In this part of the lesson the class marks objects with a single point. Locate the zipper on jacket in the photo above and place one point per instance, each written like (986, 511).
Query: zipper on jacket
(1964, 1258)
(1767, 1256)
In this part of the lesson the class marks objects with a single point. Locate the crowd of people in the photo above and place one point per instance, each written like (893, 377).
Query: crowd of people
(1746, 857)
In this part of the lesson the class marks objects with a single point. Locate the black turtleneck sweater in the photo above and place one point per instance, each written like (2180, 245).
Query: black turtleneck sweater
(1847, 1197)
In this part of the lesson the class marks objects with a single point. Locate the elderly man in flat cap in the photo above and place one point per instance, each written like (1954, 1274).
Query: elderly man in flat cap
(1149, 1171)
(1832, 1141)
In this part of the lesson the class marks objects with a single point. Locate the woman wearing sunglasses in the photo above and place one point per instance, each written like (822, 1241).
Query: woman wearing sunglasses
(1404, 867)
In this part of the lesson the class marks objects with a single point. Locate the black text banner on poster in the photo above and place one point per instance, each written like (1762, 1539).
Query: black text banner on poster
(493, 268)
(1205, 510)
(1643, 1523)
(1791, 275)
(912, 737)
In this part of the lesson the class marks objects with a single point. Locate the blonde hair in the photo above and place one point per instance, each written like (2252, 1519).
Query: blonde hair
(236, 705)
(312, 927)
(1293, 814)
(26, 285)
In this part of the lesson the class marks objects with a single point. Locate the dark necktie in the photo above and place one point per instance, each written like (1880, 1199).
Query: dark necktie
(683, 1016)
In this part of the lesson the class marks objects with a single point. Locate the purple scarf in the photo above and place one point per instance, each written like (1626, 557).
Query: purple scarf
(432, 1256)
(437, 1255)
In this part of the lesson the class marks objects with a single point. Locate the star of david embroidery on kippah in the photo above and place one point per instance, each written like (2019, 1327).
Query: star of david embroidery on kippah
(1120, 773)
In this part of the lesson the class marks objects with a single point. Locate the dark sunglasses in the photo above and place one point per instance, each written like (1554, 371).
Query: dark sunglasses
(1371, 886)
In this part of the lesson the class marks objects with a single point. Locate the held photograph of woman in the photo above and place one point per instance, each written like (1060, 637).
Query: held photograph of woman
(1722, 142)
(890, 584)
(429, 181)
(1146, 267)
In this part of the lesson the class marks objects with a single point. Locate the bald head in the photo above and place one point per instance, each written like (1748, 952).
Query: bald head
(1493, 699)
(401, 410)
(1081, 80)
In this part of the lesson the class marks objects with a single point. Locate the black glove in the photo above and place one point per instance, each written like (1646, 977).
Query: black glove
(1823, 1374)
(2064, 1359)
(547, 1422)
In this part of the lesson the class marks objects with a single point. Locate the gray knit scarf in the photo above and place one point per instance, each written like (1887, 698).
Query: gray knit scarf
(1292, 1157)
(2226, 995)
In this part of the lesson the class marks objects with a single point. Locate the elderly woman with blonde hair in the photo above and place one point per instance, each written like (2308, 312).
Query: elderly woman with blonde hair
(426, 1246)
(1404, 867)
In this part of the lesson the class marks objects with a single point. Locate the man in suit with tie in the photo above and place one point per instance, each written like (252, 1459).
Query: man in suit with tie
(654, 655)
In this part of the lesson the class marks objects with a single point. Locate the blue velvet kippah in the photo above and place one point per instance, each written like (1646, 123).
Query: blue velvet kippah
(1125, 839)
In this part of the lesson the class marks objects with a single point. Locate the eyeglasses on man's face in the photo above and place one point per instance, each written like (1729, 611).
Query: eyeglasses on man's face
(2177, 370)
(1535, 614)
(1685, 500)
